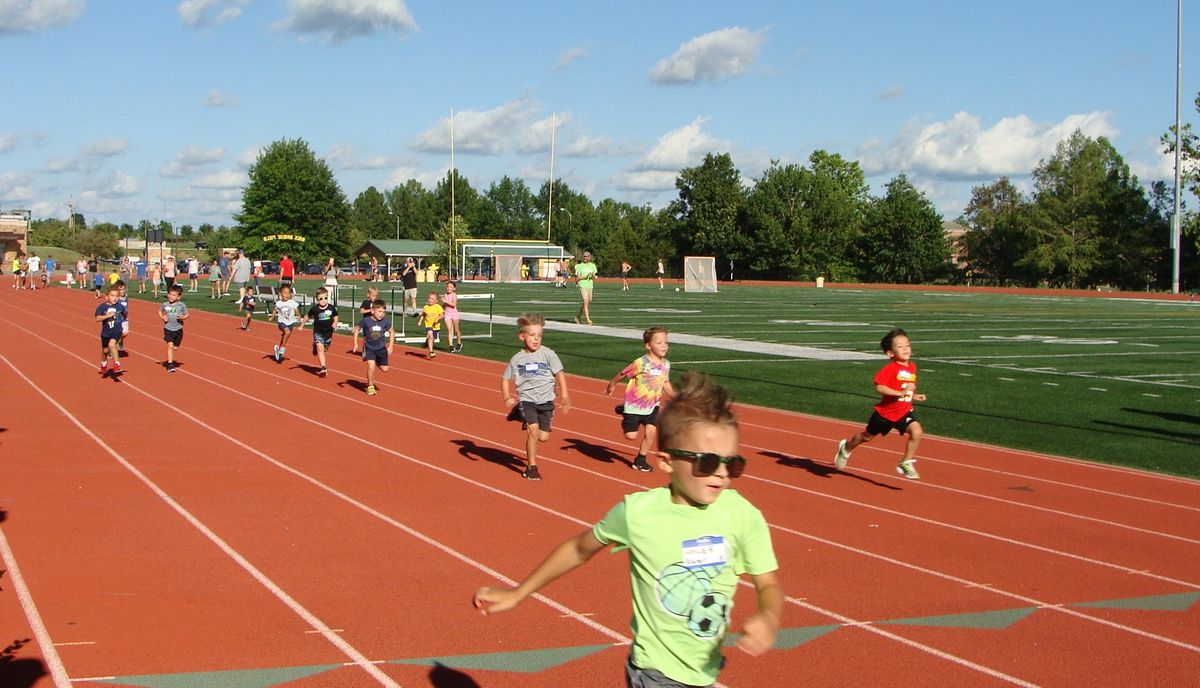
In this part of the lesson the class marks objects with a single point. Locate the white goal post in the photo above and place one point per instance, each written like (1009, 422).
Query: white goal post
(700, 274)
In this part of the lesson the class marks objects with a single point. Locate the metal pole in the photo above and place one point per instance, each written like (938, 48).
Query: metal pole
(1175, 228)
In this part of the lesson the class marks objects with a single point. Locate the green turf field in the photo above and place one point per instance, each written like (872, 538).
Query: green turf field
(1114, 380)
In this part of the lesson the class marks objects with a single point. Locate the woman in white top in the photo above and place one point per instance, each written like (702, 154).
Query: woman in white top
(331, 283)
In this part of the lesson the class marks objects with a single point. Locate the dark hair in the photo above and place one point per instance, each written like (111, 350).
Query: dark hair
(886, 342)
(176, 289)
(651, 331)
(700, 400)
(379, 303)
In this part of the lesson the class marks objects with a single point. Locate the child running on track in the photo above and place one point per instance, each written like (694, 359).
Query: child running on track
(450, 315)
(897, 383)
(378, 342)
(286, 313)
(173, 312)
(325, 320)
(688, 544)
(536, 369)
(108, 314)
(364, 311)
(246, 306)
(431, 317)
(649, 381)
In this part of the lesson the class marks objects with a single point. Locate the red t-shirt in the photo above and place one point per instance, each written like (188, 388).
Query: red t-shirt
(286, 268)
(897, 376)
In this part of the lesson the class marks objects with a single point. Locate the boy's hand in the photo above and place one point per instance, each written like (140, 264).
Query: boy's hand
(566, 404)
(758, 634)
(918, 397)
(491, 600)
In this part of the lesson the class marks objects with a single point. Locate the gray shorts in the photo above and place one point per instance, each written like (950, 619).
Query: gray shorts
(649, 678)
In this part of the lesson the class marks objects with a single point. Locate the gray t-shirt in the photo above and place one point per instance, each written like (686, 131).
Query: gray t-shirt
(534, 372)
(241, 269)
(173, 311)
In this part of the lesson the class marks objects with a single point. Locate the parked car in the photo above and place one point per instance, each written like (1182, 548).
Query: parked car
(314, 269)
(270, 267)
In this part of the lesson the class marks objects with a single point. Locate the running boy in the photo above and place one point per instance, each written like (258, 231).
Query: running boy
(431, 317)
(108, 314)
(325, 320)
(896, 382)
(286, 313)
(173, 312)
(246, 306)
(536, 369)
(688, 544)
(364, 311)
(378, 342)
(649, 378)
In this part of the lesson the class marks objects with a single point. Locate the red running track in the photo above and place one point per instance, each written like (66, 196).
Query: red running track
(247, 523)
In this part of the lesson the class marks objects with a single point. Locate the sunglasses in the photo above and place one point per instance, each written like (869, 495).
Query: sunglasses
(322, 298)
(705, 464)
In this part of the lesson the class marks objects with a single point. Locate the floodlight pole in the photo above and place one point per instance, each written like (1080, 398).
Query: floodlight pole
(1175, 228)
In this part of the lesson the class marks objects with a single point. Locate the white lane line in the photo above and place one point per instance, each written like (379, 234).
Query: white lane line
(358, 658)
(57, 671)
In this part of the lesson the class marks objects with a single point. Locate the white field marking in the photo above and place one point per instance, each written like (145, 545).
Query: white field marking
(761, 479)
(620, 639)
(1145, 375)
(57, 671)
(963, 374)
(820, 323)
(1050, 384)
(347, 649)
(1053, 371)
(1006, 379)
(1024, 599)
(1155, 396)
(76, 643)
(1154, 346)
(657, 310)
(934, 651)
(1097, 389)
(738, 360)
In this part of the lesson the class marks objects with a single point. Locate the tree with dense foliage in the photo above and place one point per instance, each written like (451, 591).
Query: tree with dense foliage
(370, 218)
(999, 239)
(292, 192)
(466, 205)
(509, 210)
(709, 211)
(902, 240)
(413, 211)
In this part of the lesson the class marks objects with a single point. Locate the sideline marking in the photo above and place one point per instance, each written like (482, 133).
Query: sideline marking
(57, 671)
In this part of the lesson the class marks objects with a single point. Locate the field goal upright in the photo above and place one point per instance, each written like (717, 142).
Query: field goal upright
(700, 274)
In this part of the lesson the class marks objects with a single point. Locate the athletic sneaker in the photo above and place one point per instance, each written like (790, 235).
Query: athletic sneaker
(370, 390)
(104, 367)
(278, 358)
(244, 326)
(458, 348)
(639, 464)
(170, 367)
(908, 470)
(116, 368)
(323, 372)
(531, 473)
(431, 354)
(842, 457)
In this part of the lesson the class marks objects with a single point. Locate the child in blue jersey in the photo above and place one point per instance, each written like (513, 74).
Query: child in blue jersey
(378, 342)
(108, 314)
(173, 312)
(688, 542)
(287, 315)
(246, 306)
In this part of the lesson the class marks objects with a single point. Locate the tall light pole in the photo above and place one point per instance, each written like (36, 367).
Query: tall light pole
(394, 214)
(1175, 228)
(570, 218)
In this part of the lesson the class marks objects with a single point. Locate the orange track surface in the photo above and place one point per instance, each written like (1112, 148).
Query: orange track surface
(245, 515)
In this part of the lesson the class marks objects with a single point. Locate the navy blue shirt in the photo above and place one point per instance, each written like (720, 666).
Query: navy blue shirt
(374, 332)
(110, 328)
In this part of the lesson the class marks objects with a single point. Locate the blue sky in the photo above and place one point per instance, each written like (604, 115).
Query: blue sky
(154, 109)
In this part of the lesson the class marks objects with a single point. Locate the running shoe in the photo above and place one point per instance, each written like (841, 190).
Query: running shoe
(431, 354)
(639, 464)
(908, 469)
(842, 457)
(531, 473)
(323, 372)
(170, 367)
(370, 390)
(278, 358)
(104, 367)
(116, 368)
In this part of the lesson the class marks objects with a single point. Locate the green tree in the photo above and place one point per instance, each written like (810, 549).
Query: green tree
(466, 205)
(1000, 242)
(446, 237)
(509, 209)
(413, 211)
(709, 210)
(291, 192)
(573, 222)
(902, 240)
(370, 217)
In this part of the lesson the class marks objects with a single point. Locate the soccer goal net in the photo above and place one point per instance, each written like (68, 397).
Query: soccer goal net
(508, 268)
(700, 274)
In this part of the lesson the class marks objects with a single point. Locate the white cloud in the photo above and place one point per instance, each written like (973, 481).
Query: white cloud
(490, 132)
(712, 57)
(535, 138)
(960, 148)
(57, 165)
(107, 148)
(16, 189)
(341, 20)
(648, 180)
(7, 143)
(681, 148)
(26, 16)
(343, 156)
(584, 146)
(248, 157)
(197, 13)
(217, 99)
(228, 179)
(191, 157)
(117, 185)
(892, 92)
(566, 57)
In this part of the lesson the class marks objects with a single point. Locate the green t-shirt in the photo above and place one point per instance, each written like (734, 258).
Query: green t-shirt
(584, 272)
(684, 563)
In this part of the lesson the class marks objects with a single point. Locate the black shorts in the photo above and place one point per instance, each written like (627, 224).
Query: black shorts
(174, 337)
(878, 425)
(631, 421)
(541, 415)
(380, 356)
(105, 339)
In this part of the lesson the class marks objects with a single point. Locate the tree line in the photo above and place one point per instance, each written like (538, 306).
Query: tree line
(1086, 221)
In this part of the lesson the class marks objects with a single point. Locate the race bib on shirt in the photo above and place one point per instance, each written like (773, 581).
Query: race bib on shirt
(704, 551)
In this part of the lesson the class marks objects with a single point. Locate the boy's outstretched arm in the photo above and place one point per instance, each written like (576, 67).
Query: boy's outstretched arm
(759, 631)
(612, 384)
(563, 395)
(565, 558)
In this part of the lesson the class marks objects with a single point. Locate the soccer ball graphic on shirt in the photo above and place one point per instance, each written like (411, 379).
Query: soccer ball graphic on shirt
(688, 593)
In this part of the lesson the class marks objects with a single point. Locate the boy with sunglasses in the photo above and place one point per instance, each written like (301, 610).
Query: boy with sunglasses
(688, 544)
(325, 320)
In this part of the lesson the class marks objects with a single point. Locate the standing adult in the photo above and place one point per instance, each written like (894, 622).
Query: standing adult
(126, 269)
(331, 282)
(93, 266)
(33, 270)
(287, 270)
(226, 273)
(374, 269)
(408, 277)
(241, 273)
(193, 268)
(585, 274)
(170, 272)
(140, 268)
(81, 267)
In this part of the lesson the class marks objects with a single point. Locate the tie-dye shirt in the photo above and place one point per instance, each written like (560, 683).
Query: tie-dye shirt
(646, 382)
